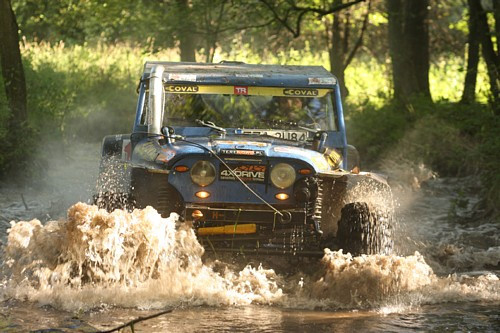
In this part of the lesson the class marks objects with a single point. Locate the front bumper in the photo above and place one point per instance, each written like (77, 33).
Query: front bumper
(254, 230)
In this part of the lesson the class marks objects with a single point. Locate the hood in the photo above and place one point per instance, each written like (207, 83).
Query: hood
(247, 147)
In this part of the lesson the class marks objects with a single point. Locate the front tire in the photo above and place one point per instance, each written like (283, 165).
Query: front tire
(362, 229)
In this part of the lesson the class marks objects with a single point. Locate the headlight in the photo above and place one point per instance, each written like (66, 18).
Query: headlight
(283, 175)
(203, 173)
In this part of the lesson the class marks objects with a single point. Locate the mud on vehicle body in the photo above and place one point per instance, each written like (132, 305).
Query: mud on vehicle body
(255, 157)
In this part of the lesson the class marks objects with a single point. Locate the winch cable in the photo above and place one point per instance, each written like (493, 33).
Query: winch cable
(231, 171)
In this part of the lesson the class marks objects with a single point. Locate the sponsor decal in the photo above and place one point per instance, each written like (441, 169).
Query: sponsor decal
(242, 152)
(242, 143)
(182, 77)
(247, 172)
(126, 150)
(166, 155)
(249, 75)
(244, 90)
(322, 80)
(216, 215)
(289, 150)
(182, 89)
(146, 151)
(240, 90)
(300, 92)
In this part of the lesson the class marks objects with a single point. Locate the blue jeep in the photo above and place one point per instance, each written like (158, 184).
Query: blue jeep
(254, 157)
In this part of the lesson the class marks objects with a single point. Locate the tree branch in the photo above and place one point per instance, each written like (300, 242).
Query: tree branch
(359, 42)
(331, 10)
(135, 321)
(247, 26)
(211, 53)
(302, 12)
(284, 22)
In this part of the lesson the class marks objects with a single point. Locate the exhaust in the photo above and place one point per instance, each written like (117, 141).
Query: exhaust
(155, 100)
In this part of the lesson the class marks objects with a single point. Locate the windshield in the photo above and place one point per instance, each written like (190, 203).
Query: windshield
(278, 108)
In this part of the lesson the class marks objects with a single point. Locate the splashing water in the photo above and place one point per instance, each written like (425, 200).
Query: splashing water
(134, 259)
(370, 279)
(141, 260)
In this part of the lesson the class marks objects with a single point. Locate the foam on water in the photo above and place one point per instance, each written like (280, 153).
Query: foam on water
(95, 258)
(370, 280)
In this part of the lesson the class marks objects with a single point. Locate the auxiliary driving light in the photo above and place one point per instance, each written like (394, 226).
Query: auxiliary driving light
(283, 175)
(282, 196)
(197, 214)
(203, 173)
(202, 194)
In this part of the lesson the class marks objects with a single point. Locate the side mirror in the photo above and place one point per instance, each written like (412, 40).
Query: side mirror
(352, 158)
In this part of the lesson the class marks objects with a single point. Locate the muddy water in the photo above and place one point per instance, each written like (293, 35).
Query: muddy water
(90, 270)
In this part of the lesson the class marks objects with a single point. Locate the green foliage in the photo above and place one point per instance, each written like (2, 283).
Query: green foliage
(74, 93)
(83, 58)
(81, 92)
(373, 130)
(450, 138)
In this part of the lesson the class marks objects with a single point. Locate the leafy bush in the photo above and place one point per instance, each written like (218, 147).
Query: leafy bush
(449, 138)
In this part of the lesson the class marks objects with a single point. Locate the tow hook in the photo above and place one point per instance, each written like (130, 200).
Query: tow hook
(285, 218)
(317, 228)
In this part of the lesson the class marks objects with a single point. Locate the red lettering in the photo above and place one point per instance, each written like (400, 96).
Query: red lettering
(240, 90)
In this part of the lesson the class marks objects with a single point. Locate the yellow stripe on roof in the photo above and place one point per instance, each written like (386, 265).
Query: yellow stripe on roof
(245, 90)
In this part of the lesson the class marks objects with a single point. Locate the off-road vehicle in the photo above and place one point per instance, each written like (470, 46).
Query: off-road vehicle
(255, 157)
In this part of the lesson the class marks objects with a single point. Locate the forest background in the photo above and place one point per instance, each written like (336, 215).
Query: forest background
(420, 77)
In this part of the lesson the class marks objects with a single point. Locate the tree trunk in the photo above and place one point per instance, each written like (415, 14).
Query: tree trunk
(187, 43)
(496, 15)
(12, 66)
(409, 47)
(491, 58)
(469, 93)
(337, 49)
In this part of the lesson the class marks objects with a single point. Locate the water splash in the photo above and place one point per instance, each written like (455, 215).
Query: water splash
(141, 260)
(370, 280)
(136, 259)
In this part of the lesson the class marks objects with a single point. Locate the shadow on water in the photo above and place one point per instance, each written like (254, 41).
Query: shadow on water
(472, 317)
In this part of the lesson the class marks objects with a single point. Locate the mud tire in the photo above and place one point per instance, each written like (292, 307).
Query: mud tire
(364, 230)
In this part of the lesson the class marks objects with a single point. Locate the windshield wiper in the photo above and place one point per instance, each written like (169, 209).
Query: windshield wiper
(311, 130)
(290, 125)
(211, 125)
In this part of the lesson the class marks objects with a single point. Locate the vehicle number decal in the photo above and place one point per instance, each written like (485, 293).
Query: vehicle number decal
(248, 173)
(287, 135)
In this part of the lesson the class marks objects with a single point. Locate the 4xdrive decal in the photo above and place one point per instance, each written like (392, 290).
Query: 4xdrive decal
(248, 173)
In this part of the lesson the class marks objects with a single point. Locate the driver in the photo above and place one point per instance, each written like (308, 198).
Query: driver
(305, 111)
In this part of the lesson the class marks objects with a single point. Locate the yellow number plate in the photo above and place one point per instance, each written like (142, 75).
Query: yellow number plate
(240, 229)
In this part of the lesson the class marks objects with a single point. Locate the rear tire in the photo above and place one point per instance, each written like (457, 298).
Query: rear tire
(364, 230)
